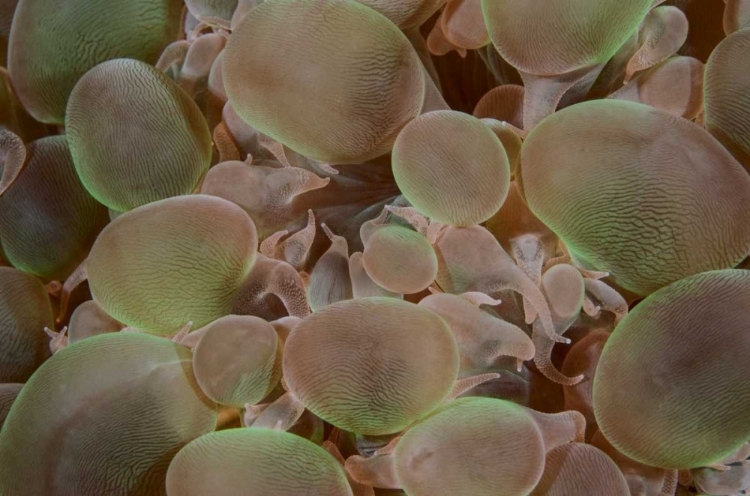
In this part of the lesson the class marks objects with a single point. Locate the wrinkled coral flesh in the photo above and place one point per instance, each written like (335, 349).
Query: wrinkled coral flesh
(374, 247)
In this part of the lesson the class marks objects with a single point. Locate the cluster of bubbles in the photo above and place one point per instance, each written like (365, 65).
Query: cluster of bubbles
(374, 247)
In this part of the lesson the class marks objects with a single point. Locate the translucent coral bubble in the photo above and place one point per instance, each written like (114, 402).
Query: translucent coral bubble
(238, 360)
(451, 167)
(577, 468)
(371, 365)
(331, 79)
(255, 462)
(727, 95)
(104, 416)
(222, 9)
(548, 37)
(8, 394)
(54, 42)
(25, 310)
(478, 446)
(634, 191)
(89, 319)
(173, 261)
(399, 259)
(47, 218)
(135, 136)
(671, 386)
(405, 13)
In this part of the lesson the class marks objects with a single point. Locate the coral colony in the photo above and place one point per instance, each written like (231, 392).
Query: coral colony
(374, 247)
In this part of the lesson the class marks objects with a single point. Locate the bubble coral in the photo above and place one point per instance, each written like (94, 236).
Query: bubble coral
(726, 95)
(459, 448)
(372, 365)
(578, 468)
(173, 261)
(655, 392)
(368, 85)
(127, 170)
(113, 431)
(238, 360)
(25, 309)
(45, 64)
(566, 46)
(89, 319)
(398, 258)
(47, 218)
(255, 462)
(451, 167)
(636, 192)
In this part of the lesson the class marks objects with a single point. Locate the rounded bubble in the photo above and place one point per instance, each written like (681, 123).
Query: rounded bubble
(451, 167)
(671, 386)
(399, 259)
(578, 468)
(103, 416)
(47, 218)
(372, 365)
(727, 95)
(405, 13)
(135, 136)
(331, 79)
(237, 360)
(222, 9)
(637, 192)
(548, 37)
(255, 462)
(25, 310)
(54, 42)
(477, 446)
(174, 261)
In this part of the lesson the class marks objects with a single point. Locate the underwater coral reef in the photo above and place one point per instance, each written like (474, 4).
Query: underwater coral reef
(374, 247)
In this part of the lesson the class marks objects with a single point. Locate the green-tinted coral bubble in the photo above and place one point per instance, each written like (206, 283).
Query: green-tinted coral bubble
(255, 462)
(371, 365)
(47, 218)
(637, 192)
(103, 416)
(331, 79)
(727, 95)
(54, 42)
(170, 262)
(549, 37)
(671, 387)
(25, 310)
(477, 446)
(135, 136)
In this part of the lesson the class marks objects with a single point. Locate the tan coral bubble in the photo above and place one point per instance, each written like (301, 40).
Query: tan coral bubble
(103, 416)
(53, 43)
(89, 319)
(8, 394)
(332, 80)
(371, 365)
(399, 259)
(255, 462)
(405, 13)
(577, 468)
(601, 173)
(47, 218)
(477, 446)
(451, 167)
(727, 95)
(238, 360)
(25, 310)
(173, 261)
(135, 136)
(670, 389)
